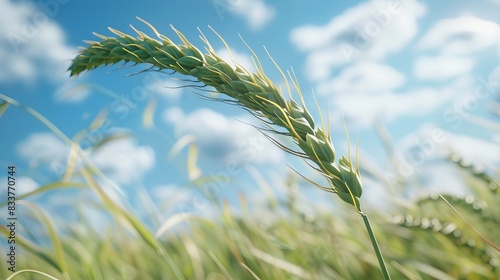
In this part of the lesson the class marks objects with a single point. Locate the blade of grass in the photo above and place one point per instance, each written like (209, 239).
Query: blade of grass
(148, 115)
(3, 107)
(31, 271)
(31, 248)
(48, 187)
(135, 223)
(219, 264)
(279, 263)
(54, 237)
(469, 225)
(251, 272)
(171, 222)
(59, 134)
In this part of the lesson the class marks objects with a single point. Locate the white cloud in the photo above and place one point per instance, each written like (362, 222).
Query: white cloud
(168, 88)
(439, 68)
(76, 91)
(256, 13)
(241, 58)
(475, 150)
(174, 199)
(124, 161)
(23, 185)
(171, 195)
(121, 160)
(43, 148)
(461, 35)
(422, 155)
(173, 115)
(438, 176)
(362, 109)
(371, 30)
(320, 62)
(429, 143)
(224, 138)
(494, 77)
(366, 91)
(31, 44)
(363, 77)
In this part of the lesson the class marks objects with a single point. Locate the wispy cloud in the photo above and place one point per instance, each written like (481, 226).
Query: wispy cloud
(24, 185)
(365, 92)
(461, 35)
(171, 195)
(153, 83)
(363, 77)
(224, 138)
(362, 109)
(168, 88)
(366, 87)
(423, 154)
(482, 152)
(423, 146)
(440, 68)
(122, 161)
(494, 77)
(31, 44)
(370, 30)
(256, 12)
(43, 148)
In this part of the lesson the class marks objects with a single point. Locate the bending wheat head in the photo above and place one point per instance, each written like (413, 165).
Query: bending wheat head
(252, 91)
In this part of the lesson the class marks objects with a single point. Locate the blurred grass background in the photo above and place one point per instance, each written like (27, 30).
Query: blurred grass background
(422, 238)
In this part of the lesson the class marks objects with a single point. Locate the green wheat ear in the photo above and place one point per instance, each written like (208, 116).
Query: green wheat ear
(252, 91)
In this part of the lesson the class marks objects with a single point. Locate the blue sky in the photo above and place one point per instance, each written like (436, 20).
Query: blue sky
(427, 72)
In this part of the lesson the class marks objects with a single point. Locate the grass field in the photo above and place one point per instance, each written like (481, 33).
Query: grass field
(425, 241)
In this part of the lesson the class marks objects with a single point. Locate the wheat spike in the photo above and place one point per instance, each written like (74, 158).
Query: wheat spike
(252, 91)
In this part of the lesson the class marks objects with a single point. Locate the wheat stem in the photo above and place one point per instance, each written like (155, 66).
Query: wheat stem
(380, 258)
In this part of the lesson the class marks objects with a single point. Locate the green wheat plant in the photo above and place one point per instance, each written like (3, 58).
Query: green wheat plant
(254, 92)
